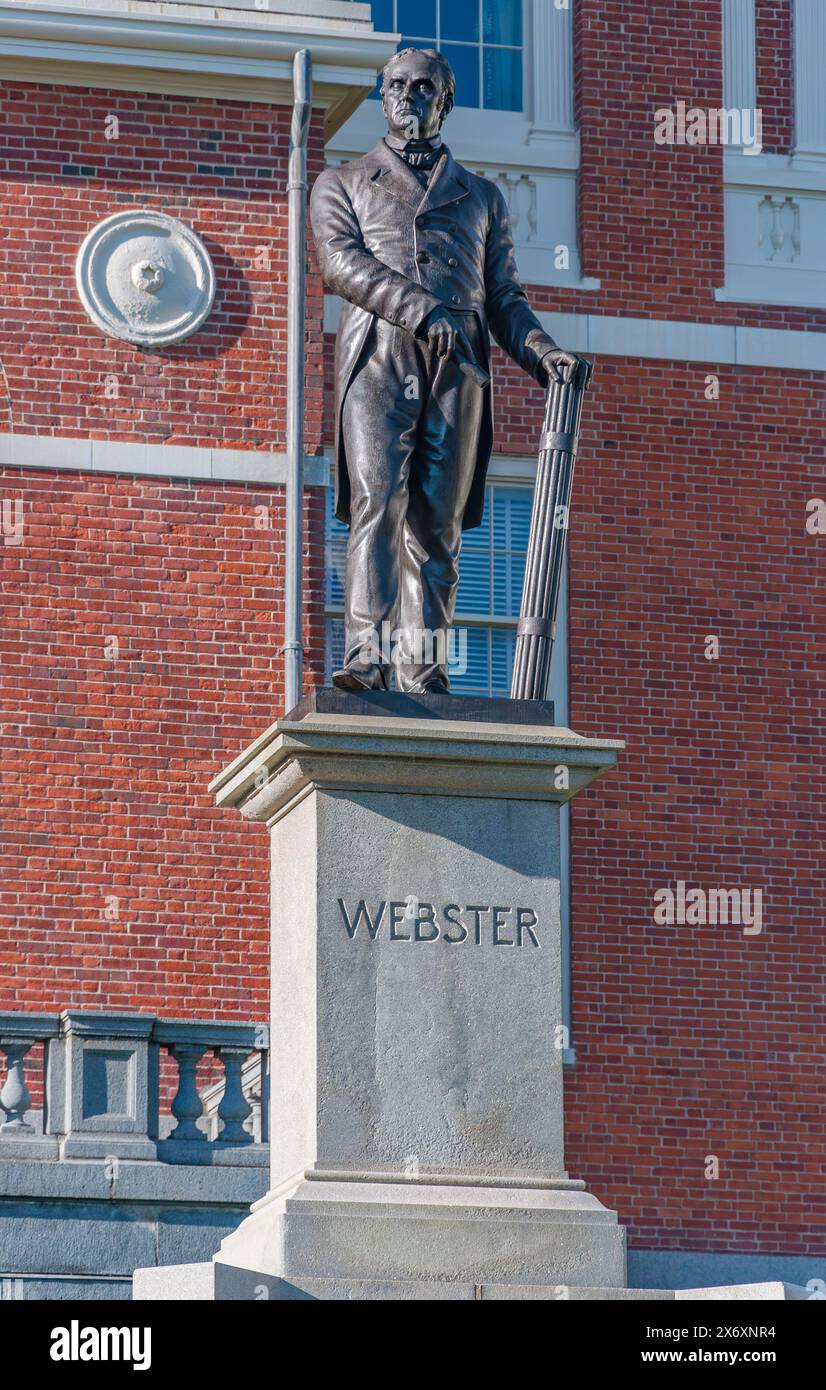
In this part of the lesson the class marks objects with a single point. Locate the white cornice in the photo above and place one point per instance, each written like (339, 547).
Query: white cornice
(188, 49)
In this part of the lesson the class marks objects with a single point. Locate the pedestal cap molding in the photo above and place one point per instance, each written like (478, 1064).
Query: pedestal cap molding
(444, 758)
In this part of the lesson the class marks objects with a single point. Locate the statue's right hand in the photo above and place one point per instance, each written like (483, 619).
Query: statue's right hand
(445, 336)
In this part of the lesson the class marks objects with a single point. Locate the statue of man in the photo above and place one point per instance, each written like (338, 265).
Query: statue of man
(421, 252)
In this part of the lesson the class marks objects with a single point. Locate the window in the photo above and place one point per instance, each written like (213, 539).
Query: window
(490, 590)
(481, 39)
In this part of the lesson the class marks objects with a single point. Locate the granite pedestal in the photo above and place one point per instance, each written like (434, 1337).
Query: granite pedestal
(416, 1051)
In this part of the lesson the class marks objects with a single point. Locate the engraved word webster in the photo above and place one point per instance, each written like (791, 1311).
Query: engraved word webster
(416, 921)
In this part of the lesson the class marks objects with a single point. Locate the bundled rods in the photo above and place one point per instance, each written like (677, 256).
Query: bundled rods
(549, 527)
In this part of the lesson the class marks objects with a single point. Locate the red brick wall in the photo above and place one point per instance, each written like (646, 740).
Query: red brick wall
(107, 761)
(650, 230)
(689, 520)
(218, 165)
(775, 80)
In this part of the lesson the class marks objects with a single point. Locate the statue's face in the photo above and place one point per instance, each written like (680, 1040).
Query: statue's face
(412, 97)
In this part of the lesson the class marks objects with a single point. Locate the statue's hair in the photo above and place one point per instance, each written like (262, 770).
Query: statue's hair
(440, 62)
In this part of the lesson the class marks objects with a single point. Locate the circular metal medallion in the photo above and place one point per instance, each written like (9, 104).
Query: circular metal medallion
(145, 277)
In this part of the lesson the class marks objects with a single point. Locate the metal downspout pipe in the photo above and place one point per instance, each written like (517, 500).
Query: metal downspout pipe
(296, 271)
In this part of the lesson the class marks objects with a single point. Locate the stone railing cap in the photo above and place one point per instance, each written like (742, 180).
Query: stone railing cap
(172, 1031)
(16, 1024)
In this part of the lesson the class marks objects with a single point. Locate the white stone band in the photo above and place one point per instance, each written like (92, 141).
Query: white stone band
(718, 344)
(160, 460)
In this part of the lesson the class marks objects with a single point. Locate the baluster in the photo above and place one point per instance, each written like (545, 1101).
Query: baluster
(187, 1107)
(252, 1124)
(763, 219)
(233, 1108)
(778, 235)
(15, 1099)
(264, 1133)
(794, 248)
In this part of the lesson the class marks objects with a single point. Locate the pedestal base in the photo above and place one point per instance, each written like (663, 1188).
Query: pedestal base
(322, 1227)
(222, 1283)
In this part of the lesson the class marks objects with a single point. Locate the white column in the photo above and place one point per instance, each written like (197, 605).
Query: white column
(739, 55)
(549, 41)
(810, 76)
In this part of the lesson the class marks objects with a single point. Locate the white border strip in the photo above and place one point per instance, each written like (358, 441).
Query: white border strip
(155, 460)
(186, 464)
(671, 340)
(675, 341)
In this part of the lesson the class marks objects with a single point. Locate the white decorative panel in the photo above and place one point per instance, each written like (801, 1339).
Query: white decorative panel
(776, 245)
(779, 228)
(145, 277)
(542, 209)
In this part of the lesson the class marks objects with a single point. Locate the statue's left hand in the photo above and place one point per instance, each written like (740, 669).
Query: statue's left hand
(560, 364)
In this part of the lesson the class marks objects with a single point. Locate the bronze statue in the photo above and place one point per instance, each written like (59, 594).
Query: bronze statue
(420, 250)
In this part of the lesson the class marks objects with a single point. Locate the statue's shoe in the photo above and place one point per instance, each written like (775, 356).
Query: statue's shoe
(359, 678)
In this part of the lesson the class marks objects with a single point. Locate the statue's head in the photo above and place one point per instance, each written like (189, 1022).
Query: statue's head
(417, 92)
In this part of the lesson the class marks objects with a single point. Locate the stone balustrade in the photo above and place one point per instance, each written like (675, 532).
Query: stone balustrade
(100, 1081)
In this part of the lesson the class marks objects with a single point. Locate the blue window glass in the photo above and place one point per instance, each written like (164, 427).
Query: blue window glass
(502, 21)
(334, 646)
(382, 11)
(475, 679)
(474, 594)
(511, 524)
(511, 518)
(502, 648)
(481, 39)
(503, 79)
(335, 555)
(465, 63)
(460, 20)
(508, 576)
(416, 17)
